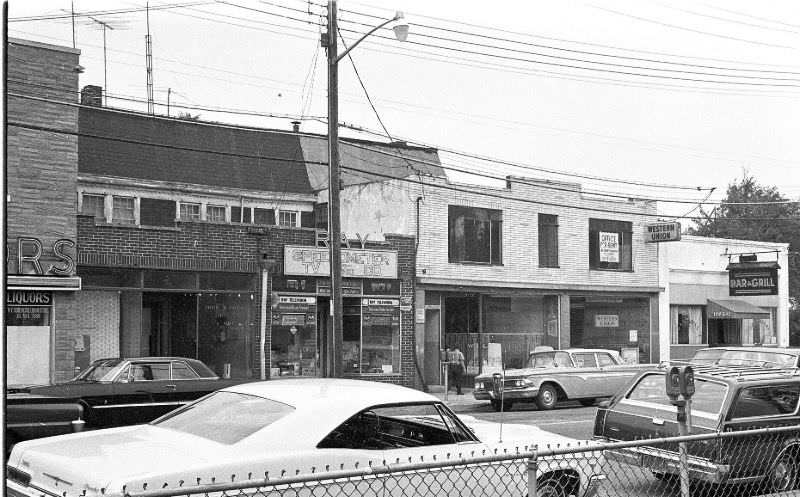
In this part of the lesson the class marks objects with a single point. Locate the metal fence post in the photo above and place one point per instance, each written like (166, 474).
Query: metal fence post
(682, 453)
(533, 466)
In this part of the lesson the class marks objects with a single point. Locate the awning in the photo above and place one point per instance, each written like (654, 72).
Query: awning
(734, 309)
(43, 283)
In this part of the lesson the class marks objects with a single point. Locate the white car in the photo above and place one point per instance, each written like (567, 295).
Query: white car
(287, 427)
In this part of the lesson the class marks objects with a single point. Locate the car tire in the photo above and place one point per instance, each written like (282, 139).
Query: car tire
(666, 477)
(587, 402)
(507, 405)
(783, 476)
(551, 487)
(547, 398)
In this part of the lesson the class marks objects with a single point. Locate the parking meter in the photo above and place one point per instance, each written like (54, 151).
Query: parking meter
(497, 384)
(686, 381)
(672, 379)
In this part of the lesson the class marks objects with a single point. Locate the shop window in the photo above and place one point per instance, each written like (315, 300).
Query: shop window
(123, 211)
(686, 323)
(189, 212)
(548, 240)
(227, 281)
(241, 215)
(215, 213)
(475, 235)
(287, 218)
(170, 279)
(610, 246)
(93, 205)
(156, 212)
(102, 277)
(264, 216)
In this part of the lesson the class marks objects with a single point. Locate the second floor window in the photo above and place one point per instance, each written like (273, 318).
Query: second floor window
(94, 205)
(287, 218)
(123, 211)
(475, 235)
(548, 240)
(190, 212)
(610, 244)
(215, 213)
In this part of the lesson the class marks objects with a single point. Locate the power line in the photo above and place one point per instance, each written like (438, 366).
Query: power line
(104, 12)
(708, 16)
(529, 35)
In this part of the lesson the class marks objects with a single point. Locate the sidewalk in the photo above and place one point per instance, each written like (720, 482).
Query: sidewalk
(456, 402)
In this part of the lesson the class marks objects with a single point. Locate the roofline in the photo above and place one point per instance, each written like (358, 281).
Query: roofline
(243, 127)
(45, 46)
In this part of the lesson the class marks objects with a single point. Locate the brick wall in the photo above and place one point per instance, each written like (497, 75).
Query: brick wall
(42, 168)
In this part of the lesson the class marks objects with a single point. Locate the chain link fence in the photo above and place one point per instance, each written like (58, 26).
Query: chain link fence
(752, 462)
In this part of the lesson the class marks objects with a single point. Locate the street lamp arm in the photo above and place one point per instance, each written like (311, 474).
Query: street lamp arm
(354, 45)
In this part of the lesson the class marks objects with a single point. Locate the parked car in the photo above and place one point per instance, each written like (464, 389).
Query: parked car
(726, 399)
(551, 376)
(111, 392)
(767, 357)
(293, 426)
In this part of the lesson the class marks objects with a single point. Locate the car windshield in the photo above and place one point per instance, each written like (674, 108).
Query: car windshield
(708, 396)
(548, 360)
(225, 417)
(103, 370)
(768, 358)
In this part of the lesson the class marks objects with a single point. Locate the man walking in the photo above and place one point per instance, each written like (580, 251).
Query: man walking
(456, 368)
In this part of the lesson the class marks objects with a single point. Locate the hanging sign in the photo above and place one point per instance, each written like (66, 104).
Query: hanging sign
(662, 232)
(752, 281)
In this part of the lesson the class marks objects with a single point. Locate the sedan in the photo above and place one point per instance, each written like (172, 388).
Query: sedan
(111, 392)
(294, 426)
(551, 376)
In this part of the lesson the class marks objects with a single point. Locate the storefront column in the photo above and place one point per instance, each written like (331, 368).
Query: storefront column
(564, 339)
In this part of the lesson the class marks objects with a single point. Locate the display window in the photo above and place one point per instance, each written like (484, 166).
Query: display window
(294, 348)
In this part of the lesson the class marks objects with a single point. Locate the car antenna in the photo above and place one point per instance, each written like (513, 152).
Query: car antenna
(502, 391)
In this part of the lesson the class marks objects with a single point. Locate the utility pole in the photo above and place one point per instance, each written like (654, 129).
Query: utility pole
(335, 335)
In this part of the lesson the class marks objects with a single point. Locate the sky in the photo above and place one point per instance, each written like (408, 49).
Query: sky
(671, 101)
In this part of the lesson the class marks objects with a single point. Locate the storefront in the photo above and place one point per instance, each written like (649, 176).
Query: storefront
(724, 292)
(209, 316)
(620, 323)
(372, 317)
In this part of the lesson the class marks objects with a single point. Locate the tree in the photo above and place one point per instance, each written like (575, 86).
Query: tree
(777, 220)
(186, 116)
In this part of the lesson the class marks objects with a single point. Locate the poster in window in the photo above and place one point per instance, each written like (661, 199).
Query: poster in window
(609, 247)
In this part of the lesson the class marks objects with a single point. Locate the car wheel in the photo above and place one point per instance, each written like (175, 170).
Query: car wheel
(587, 402)
(784, 474)
(551, 487)
(547, 397)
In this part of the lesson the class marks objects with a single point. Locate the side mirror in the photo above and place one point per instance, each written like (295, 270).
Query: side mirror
(604, 404)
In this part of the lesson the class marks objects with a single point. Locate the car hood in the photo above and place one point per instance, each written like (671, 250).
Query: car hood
(107, 459)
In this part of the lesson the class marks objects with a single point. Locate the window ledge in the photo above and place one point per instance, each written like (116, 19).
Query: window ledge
(472, 263)
(549, 267)
(136, 226)
(612, 270)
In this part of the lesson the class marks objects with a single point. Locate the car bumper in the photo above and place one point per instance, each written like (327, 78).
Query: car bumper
(14, 489)
(508, 395)
(662, 461)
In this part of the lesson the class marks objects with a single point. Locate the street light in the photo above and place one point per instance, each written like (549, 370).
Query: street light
(333, 340)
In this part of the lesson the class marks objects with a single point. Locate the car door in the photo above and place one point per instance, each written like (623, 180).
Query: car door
(138, 394)
(614, 375)
(762, 406)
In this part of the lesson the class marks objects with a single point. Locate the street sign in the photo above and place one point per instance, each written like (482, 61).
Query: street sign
(662, 232)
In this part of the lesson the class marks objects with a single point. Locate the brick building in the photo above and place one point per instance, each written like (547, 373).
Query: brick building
(41, 159)
(503, 270)
(207, 241)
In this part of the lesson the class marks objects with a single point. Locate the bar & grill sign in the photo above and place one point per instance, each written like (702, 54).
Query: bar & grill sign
(752, 280)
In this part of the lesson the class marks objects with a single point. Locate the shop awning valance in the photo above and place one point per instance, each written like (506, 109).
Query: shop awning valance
(43, 283)
(734, 309)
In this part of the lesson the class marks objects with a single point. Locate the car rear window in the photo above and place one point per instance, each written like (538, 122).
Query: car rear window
(708, 396)
(225, 417)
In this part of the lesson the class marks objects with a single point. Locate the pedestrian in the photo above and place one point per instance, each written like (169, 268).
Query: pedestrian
(456, 368)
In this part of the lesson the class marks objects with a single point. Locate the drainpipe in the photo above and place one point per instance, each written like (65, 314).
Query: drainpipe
(414, 305)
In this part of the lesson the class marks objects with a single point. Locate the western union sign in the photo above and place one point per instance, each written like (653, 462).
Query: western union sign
(662, 232)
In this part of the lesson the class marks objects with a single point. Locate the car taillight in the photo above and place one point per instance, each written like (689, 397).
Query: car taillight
(600, 421)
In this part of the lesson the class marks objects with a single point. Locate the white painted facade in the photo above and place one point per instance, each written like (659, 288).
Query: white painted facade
(693, 270)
